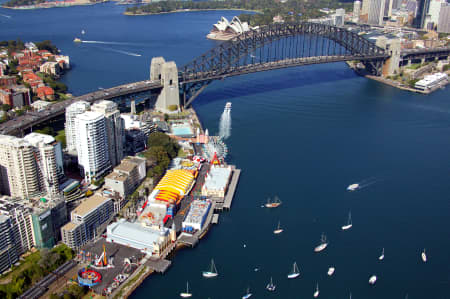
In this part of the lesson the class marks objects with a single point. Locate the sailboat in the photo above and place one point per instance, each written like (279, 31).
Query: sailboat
(381, 257)
(270, 286)
(349, 222)
(372, 279)
(247, 295)
(295, 273)
(316, 293)
(331, 271)
(212, 271)
(186, 294)
(424, 256)
(83, 32)
(323, 244)
(273, 204)
(278, 230)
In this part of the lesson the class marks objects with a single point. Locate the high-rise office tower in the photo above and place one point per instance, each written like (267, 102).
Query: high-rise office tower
(92, 144)
(114, 129)
(422, 11)
(376, 12)
(432, 17)
(444, 18)
(356, 11)
(365, 7)
(18, 169)
(71, 112)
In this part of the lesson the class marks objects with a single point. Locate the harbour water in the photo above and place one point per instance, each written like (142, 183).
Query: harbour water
(303, 134)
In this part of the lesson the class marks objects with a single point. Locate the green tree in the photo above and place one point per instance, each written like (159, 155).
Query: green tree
(6, 107)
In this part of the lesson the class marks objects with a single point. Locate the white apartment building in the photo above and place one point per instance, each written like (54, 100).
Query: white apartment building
(92, 144)
(376, 12)
(114, 129)
(18, 171)
(71, 112)
(50, 161)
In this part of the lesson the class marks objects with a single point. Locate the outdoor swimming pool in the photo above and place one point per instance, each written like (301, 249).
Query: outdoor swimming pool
(182, 130)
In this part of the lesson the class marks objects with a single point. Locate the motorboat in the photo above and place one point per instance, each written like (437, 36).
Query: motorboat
(228, 106)
(353, 187)
(77, 40)
(247, 295)
(424, 256)
(273, 204)
(295, 272)
(270, 286)
(316, 293)
(323, 244)
(381, 257)
(279, 230)
(349, 222)
(186, 294)
(331, 271)
(372, 279)
(212, 271)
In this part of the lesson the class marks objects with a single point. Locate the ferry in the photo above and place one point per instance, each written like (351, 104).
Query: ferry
(77, 40)
(352, 187)
(331, 271)
(273, 204)
(322, 245)
(228, 106)
(373, 279)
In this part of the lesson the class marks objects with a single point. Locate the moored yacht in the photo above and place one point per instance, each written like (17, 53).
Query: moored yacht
(270, 286)
(186, 294)
(331, 271)
(295, 272)
(373, 279)
(349, 222)
(316, 293)
(279, 230)
(381, 257)
(424, 256)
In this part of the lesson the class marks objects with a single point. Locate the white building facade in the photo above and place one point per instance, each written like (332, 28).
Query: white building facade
(71, 112)
(376, 12)
(92, 145)
(114, 129)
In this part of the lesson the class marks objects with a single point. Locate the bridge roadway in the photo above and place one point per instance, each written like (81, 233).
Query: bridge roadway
(29, 119)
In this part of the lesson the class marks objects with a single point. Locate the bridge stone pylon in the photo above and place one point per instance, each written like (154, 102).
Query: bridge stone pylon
(167, 72)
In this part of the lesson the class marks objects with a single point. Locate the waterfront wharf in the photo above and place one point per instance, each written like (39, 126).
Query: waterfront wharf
(159, 265)
(215, 219)
(231, 188)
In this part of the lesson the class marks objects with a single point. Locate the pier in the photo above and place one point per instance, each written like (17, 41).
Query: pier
(231, 189)
(158, 264)
(215, 219)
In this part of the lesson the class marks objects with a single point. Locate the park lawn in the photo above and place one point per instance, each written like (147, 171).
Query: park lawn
(29, 260)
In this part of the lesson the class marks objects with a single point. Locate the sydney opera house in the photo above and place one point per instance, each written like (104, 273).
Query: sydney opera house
(224, 30)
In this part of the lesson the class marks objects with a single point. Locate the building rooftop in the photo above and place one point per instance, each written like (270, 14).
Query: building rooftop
(35, 138)
(125, 166)
(217, 178)
(70, 226)
(89, 204)
(13, 141)
(136, 232)
(116, 176)
(90, 116)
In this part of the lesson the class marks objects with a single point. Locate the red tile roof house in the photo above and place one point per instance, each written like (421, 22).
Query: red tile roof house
(45, 93)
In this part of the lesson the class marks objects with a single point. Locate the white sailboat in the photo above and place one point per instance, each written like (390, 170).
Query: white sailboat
(381, 257)
(278, 230)
(247, 295)
(323, 244)
(349, 222)
(270, 286)
(331, 271)
(424, 256)
(186, 294)
(373, 279)
(316, 293)
(295, 273)
(83, 32)
(212, 271)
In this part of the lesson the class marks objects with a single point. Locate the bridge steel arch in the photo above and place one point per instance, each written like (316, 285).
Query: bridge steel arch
(285, 45)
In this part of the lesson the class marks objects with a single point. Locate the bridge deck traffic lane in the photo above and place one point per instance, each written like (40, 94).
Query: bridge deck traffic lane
(23, 122)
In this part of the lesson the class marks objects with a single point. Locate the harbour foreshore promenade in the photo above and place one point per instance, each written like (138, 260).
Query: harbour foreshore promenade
(186, 10)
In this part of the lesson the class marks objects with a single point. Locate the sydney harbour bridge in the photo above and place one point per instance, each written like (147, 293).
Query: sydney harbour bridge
(268, 48)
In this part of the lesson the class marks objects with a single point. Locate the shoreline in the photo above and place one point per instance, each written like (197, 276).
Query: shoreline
(395, 84)
(186, 10)
(55, 5)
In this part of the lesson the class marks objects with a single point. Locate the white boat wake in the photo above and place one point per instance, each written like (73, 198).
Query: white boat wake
(225, 124)
(104, 43)
(120, 51)
(6, 16)
(368, 182)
